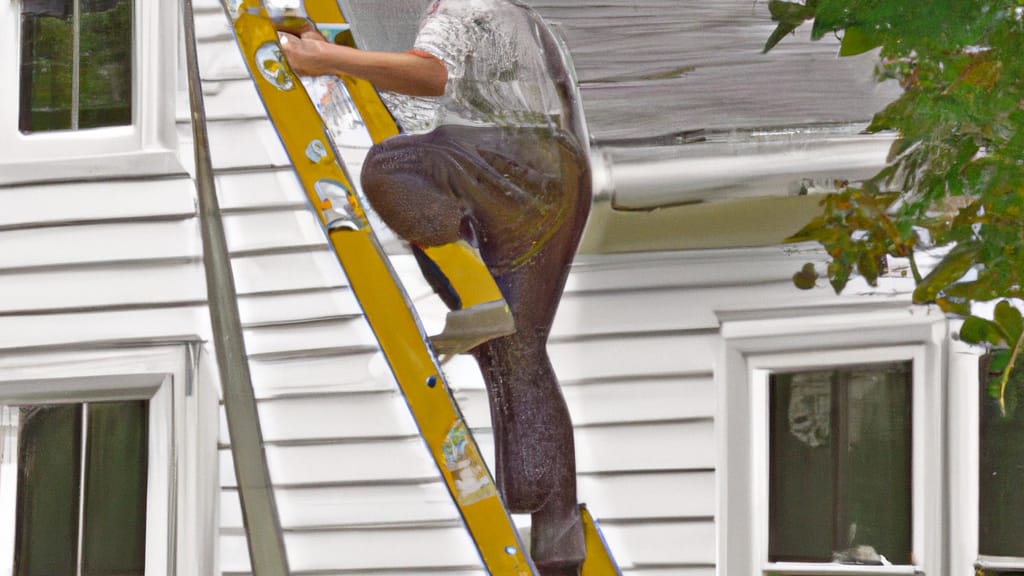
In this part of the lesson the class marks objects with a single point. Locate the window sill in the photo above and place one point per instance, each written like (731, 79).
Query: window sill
(160, 162)
(785, 568)
(1000, 564)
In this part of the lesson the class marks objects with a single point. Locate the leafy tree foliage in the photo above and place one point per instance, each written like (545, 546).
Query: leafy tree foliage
(955, 174)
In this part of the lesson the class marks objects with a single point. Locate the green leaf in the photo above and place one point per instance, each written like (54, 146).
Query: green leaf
(955, 306)
(979, 330)
(839, 274)
(898, 147)
(993, 387)
(789, 15)
(959, 260)
(997, 362)
(794, 12)
(810, 231)
(976, 291)
(983, 74)
(1009, 320)
(858, 40)
(806, 278)
(867, 265)
(778, 34)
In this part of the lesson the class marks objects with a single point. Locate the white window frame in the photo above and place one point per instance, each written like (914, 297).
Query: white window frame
(156, 390)
(753, 347)
(182, 476)
(147, 147)
(965, 454)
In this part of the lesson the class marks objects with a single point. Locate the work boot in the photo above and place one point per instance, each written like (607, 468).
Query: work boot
(467, 328)
(481, 313)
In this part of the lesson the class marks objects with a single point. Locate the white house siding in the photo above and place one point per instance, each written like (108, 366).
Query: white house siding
(101, 261)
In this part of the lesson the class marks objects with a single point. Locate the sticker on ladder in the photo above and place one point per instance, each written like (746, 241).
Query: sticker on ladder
(338, 212)
(337, 110)
(470, 477)
(235, 8)
(272, 66)
(316, 152)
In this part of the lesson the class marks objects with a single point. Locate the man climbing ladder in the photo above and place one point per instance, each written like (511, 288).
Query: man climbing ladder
(485, 163)
(490, 165)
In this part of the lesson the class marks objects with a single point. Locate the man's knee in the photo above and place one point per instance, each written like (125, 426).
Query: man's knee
(375, 170)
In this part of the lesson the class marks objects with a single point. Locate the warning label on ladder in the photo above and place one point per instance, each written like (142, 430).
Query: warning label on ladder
(463, 461)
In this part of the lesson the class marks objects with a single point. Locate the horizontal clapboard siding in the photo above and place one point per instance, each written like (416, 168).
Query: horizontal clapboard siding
(70, 203)
(88, 262)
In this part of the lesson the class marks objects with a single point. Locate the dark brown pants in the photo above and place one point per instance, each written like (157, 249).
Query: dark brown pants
(522, 195)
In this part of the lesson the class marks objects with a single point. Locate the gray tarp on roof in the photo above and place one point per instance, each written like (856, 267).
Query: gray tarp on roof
(653, 69)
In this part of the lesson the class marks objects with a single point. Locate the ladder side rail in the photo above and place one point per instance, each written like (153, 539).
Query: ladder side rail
(259, 511)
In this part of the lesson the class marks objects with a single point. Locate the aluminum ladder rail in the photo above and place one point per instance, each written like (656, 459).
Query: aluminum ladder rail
(267, 554)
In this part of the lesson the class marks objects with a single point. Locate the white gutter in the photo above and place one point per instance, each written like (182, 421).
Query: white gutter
(731, 191)
(757, 166)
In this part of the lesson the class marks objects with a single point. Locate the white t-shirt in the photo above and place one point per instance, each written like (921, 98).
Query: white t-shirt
(496, 70)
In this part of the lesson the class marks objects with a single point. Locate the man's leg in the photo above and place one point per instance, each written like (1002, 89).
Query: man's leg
(535, 455)
(526, 195)
(409, 182)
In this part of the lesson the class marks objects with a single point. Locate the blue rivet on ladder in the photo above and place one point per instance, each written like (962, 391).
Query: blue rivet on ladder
(510, 550)
(432, 381)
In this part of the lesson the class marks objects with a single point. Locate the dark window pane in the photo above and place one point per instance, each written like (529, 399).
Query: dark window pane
(840, 465)
(800, 467)
(114, 534)
(48, 79)
(878, 462)
(46, 70)
(106, 64)
(1001, 498)
(49, 468)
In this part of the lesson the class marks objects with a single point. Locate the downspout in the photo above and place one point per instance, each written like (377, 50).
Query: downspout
(259, 512)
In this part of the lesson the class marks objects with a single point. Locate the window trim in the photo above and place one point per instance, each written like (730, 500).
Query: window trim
(156, 389)
(147, 147)
(755, 344)
(761, 368)
(183, 475)
(965, 452)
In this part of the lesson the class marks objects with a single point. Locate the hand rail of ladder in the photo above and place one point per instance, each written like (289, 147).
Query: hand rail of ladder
(259, 512)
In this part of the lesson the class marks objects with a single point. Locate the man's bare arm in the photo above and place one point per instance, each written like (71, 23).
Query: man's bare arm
(415, 74)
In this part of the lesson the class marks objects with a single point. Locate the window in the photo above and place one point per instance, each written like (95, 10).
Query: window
(91, 92)
(108, 463)
(76, 65)
(79, 487)
(1000, 478)
(832, 442)
(76, 477)
(839, 465)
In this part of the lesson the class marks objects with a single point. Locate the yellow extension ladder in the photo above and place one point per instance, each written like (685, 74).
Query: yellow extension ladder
(388, 310)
